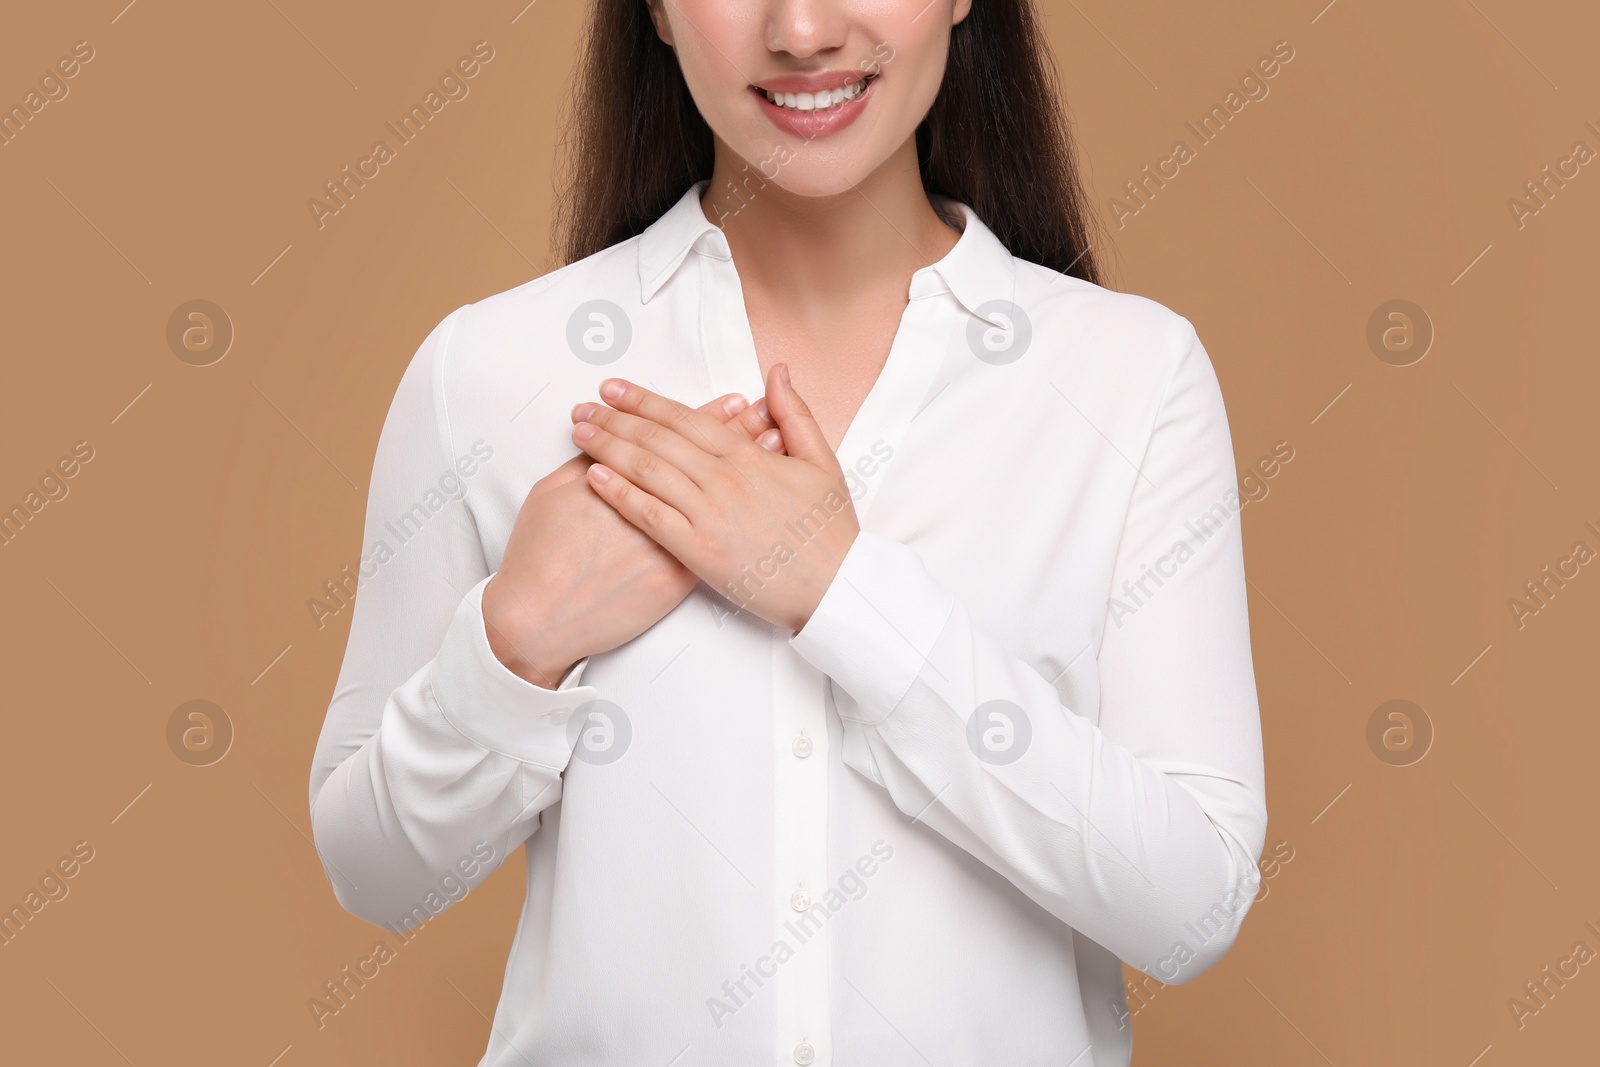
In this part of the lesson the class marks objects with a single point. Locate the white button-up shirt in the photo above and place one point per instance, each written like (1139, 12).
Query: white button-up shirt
(1016, 744)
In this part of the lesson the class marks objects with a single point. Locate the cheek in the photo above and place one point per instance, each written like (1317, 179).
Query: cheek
(716, 43)
(912, 57)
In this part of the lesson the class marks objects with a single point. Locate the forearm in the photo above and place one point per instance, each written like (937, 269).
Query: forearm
(1124, 846)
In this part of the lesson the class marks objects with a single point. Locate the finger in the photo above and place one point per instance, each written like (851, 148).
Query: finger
(725, 408)
(772, 441)
(754, 422)
(655, 519)
(650, 437)
(643, 465)
(801, 434)
(706, 433)
(751, 420)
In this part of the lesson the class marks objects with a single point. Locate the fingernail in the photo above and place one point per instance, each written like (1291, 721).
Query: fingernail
(611, 388)
(582, 411)
(761, 408)
(783, 372)
(735, 404)
(583, 432)
(599, 473)
(771, 440)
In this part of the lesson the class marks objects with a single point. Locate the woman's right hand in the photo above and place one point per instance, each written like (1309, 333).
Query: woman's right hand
(577, 578)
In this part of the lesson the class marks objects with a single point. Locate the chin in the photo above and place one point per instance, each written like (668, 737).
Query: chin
(820, 182)
(812, 169)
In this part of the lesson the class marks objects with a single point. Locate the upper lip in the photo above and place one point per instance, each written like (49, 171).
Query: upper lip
(814, 82)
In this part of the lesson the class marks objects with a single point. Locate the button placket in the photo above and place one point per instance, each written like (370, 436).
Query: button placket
(800, 855)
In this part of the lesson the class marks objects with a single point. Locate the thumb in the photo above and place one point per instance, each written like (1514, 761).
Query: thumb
(802, 437)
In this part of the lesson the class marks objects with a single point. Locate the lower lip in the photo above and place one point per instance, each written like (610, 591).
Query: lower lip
(813, 124)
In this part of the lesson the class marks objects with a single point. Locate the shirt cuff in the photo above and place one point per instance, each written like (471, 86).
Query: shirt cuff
(491, 706)
(876, 624)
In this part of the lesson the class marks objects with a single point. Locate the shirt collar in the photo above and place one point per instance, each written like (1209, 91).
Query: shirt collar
(668, 240)
(978, 271)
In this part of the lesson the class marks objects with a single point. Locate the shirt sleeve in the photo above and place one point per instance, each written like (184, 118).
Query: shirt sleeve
(435, 760)
(1140, 828)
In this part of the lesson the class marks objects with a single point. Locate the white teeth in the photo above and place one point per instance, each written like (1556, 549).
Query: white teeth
(822, 101)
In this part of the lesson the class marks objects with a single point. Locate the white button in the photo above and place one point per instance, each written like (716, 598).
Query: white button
(804, 1053)
(800, 900)
(800, 746)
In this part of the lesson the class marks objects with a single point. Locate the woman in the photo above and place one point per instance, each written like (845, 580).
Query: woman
(878, 722)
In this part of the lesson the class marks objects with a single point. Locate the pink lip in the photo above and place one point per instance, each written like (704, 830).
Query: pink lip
(813, 124)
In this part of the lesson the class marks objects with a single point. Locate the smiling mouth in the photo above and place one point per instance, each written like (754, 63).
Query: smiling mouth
(812, 103)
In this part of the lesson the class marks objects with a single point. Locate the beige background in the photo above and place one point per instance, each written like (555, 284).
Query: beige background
(1419, 898)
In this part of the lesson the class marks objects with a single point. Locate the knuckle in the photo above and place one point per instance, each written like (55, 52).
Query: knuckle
(652, 514)
(679, 418)
(649, 434)
(644, 464)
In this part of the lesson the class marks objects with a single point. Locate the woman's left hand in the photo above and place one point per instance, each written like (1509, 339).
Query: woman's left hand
(767, 531)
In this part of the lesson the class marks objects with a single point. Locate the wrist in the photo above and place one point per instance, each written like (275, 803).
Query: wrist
(521, 644)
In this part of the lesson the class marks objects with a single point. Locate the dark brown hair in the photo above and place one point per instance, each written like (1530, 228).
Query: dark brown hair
(996, 138)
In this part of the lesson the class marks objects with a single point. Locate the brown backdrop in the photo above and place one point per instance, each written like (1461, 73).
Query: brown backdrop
(1428, 866)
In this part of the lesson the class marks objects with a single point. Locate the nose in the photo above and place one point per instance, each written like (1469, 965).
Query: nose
(804, 28)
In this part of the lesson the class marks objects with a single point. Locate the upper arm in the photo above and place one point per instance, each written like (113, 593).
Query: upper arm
(419, 554)
(1177, 676)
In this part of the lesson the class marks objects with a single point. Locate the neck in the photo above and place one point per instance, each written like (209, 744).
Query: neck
(816, 251)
